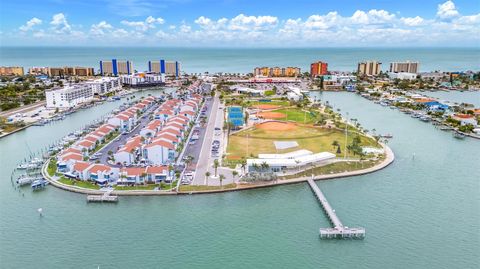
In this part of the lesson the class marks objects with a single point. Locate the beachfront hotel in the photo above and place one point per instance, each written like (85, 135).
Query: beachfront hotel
(318, 69)
(169, 68)
(11, 71)
(276, 71)
(116, 67)
(369, 68)
(404, 67)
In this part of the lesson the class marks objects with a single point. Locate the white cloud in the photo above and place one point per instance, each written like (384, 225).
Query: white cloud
(447, 10)
(256, 23)
(414, 21)
(100, 28)
(143, 26)
(30, 24)
(362, 28)
(60, 23)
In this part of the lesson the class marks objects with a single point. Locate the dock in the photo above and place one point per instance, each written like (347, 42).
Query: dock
(106, 197)
(338, 230)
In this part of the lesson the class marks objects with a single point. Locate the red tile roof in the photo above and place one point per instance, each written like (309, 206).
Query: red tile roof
(157, 170)
(161, 143)
(133, 171)
(99, 168)
(80, 166)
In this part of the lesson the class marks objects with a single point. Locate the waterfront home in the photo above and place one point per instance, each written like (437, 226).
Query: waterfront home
(85, 145)
(156, 174)
(160, 152)
(79, 170)
(101, 173)
(131, 176)
(66, 160)
(465, 119)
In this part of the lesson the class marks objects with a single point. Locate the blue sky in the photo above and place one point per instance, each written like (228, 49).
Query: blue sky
(241, 23)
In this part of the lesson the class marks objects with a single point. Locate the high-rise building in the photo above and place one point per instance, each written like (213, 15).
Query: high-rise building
(11, 71)
(404, 67)
(369, 68)
(68, 96)
(276, 71)
(169, 68)
(318, 69)
(116, 67)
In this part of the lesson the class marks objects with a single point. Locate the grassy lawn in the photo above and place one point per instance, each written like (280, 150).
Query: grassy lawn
(273, 102)
(334, 168)
(297, 115)
(79, 183)
(187, 188)
(139, 187)
(52, 167)
(311, 138)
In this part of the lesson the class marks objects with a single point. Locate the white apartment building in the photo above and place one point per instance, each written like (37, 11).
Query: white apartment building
(105, 85)
(142, 79)
(69, 96)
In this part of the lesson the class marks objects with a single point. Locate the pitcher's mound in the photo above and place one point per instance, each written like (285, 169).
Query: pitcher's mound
(276, 126)
(271, 115)
(265, 106)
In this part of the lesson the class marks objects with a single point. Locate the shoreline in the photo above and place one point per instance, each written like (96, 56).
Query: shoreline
(389, 158)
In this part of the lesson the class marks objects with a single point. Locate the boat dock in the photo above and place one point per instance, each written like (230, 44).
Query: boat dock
(106, 197)
(338, 230)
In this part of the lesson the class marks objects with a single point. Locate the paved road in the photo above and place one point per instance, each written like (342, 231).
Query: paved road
(194, 150)
(22, 109)
(205, 161)
(115, 145)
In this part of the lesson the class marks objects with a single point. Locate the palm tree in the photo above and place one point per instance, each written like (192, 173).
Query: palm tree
(215, 165)
(207, 174)
(244, 165)
(234, 174)
(335, 143)
(221, 178)
(264, 166)
(188, 160)
(177, 176)
(255, 166)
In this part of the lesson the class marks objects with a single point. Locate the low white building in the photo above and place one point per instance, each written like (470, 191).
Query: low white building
(160, 152)
(284, 163)
(402, 76)
(105, 85)
(142, 79)
(68, 96)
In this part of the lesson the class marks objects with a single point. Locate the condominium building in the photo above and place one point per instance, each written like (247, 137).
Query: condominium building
(169, 68)
(69, 96)
(11, 71)
(369, 68)
(143, 79)
(276, 71)
(116, 67)
(318, 69)
(404, 67)
(62, 71)
(105, 85)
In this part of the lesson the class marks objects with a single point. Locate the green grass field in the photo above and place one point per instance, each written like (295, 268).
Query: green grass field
(297, 115)
(187, 188)
(310, 138)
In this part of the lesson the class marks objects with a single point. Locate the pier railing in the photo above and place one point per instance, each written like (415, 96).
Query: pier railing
(338, 230)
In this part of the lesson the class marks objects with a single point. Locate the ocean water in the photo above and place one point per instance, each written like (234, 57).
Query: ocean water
(422, 211)
(196, 60)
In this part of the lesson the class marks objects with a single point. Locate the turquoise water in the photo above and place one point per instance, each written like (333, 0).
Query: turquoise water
(243, 60)
(420, 212)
